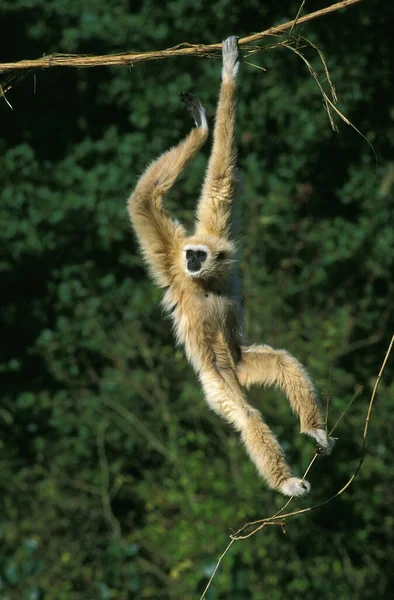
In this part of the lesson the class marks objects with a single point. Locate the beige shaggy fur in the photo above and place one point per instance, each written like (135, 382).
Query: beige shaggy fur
(196, 271)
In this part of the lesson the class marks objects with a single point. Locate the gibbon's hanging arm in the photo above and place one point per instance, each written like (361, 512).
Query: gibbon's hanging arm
(196, 273)
(8, 79)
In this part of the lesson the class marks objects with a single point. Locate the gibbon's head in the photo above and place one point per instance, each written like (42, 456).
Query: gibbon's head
(207, 257)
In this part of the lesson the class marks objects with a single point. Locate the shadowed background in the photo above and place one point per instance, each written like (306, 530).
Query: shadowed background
(116, 480)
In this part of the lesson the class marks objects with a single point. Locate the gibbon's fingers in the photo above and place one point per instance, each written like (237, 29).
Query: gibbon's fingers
(230, 53)
(195, 108)
(293, 486)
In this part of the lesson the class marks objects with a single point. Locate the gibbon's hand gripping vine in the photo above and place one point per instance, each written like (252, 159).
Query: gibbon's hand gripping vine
(196, 270)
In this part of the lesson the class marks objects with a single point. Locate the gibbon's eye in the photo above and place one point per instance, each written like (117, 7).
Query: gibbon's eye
(201, 255)
(189, 254)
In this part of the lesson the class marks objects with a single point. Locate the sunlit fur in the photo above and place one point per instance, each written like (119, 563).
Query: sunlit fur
(201, 304)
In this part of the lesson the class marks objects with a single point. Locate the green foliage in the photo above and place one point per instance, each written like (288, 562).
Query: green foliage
(116, 480)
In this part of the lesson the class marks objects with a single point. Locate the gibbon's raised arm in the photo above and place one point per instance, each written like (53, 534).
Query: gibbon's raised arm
(220, 186)
(158, 235)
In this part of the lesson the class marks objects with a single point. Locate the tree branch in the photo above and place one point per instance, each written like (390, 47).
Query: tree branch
(184, 49)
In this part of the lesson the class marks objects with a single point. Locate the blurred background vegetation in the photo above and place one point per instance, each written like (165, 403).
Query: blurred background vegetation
(116, 480)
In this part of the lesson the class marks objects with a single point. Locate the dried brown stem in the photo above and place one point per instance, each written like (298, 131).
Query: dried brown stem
(279, 523)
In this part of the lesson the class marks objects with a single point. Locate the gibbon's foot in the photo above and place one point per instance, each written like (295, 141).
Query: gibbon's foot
(293, 486)
(230, 53)
(195, 108)
(326, 449)
(324, 445)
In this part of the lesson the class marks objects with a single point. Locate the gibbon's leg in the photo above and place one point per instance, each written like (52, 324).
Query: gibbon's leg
(225, 397)
(263, 365)
(219, 189)
(156, 231)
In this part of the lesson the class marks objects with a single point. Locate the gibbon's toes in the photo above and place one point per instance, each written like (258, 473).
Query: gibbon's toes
(195, 108)
(230, 53)
(326, 448)
(293, 486)
(324, 445)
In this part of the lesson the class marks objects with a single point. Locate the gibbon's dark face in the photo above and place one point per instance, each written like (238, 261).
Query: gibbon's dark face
(207, 257)
(195, 259)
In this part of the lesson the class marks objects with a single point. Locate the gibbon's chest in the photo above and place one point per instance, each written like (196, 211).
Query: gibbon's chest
(200, 320)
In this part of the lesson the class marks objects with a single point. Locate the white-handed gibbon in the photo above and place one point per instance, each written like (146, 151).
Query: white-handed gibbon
(196, 272)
